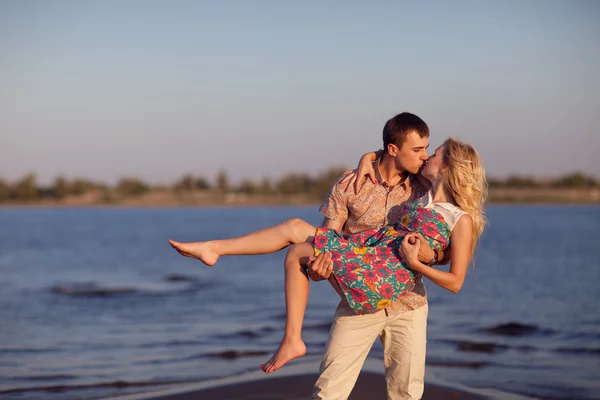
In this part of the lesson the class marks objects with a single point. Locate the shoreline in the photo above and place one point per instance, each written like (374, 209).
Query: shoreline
(131, 205)
(369, 386)
(192, 199)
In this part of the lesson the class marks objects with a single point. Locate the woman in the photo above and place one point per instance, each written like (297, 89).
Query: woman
(374, 267)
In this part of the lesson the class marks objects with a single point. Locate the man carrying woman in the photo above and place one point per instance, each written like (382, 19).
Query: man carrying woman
(379, 242)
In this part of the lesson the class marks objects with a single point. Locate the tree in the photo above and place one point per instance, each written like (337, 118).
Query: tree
(517, 181)
(26, 188)
(4, 190)
(222, 181)
(576, 179)
(202, 183)
(494, 182)
(80, 186)
(186, 183)
(132, 187)
(247, 186)
(61, 187)
(266, 187)
(325, 181)
(295, 183)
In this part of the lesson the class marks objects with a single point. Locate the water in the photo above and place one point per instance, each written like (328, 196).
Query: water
(93, 302)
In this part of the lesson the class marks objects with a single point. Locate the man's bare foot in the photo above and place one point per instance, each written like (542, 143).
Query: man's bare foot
(202, 251)
(287, 351)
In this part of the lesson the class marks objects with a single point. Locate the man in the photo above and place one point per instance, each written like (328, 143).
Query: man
(401, 327)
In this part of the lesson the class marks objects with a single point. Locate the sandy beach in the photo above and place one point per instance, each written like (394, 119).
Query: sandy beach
(370, 386)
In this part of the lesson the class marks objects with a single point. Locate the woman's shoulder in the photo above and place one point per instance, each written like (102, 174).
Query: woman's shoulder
(463, 222)
(451, 213)
(453, 208)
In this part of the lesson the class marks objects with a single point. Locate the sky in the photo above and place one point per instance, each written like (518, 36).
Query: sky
(157, 89)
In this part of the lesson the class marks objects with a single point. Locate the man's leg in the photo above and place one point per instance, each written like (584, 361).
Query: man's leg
(404, 341)
(350, 339)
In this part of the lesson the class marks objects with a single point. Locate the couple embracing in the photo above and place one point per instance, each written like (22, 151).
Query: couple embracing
(379, 238)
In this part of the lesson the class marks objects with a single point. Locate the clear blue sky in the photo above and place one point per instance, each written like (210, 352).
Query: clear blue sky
(156, 89)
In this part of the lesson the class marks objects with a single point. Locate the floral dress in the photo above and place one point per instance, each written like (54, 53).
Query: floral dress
(367, 264)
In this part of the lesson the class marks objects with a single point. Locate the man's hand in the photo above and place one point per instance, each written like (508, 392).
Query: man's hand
(426, 253)
(320, 268)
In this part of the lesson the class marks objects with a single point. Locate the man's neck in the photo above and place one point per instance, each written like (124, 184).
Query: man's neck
(390, 174)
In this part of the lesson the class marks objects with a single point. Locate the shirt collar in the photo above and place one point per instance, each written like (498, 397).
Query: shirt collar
(404, 180)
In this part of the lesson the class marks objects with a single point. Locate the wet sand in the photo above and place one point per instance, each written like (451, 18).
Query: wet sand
(370, 386)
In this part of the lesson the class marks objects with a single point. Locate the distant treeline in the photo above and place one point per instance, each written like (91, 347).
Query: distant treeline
(27, 189)
(572, 180)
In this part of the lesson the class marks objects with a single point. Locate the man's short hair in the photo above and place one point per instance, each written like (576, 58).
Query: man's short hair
(398, 127)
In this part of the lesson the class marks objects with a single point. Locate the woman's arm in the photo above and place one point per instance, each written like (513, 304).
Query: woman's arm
(459, 254)
(365, 168)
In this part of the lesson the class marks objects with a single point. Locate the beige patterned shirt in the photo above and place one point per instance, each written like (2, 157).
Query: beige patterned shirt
(374, 206)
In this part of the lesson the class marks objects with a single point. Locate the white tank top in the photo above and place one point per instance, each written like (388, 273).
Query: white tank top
(450, 212)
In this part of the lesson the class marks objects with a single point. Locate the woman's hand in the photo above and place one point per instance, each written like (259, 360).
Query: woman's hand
(409, 250)
(364, 169)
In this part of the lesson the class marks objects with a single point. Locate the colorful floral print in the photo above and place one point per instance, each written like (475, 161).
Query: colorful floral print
(367, 264)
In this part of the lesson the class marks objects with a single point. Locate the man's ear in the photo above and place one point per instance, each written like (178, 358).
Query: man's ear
(392, 149)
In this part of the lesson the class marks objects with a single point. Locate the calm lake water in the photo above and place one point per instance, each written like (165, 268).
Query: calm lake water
(94, 302)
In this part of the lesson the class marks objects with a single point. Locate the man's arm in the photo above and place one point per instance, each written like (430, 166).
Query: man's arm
(331, 224)
(431, 257)
(335, 210)
(322, 265)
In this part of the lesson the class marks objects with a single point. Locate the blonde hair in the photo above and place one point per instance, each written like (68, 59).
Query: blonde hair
(465, 181)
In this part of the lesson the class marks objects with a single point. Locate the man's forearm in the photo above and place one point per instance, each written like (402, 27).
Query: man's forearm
(433, 257)
(443, 256)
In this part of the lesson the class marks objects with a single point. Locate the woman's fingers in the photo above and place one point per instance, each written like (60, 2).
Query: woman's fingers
(346, 175)
(351, 182)
(372, 176)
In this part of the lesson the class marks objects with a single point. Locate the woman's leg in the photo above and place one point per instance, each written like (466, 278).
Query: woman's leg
(296, 297)
(265, 241)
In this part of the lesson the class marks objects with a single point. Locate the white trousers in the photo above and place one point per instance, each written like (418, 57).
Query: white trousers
(403, 335)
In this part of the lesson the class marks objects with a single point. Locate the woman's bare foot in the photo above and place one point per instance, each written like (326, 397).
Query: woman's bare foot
(202, 251)
(287, 351)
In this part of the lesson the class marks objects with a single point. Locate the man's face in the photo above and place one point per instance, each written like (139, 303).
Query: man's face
(413, 153)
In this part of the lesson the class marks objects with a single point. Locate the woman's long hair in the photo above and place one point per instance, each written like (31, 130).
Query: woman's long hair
(465, 181)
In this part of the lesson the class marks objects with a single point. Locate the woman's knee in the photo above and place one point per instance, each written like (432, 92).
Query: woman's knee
(294, 222)
(298, 230)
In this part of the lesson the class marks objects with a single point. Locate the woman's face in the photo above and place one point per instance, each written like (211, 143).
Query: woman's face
(433, 169)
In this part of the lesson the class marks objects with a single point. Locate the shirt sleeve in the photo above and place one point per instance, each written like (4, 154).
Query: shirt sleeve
(335, 206)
